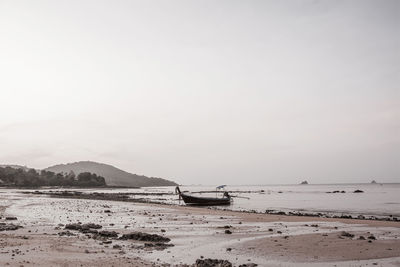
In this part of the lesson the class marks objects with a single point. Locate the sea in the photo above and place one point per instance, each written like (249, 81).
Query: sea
(332, 199)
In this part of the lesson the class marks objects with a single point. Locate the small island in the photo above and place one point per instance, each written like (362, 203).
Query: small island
(304, 182)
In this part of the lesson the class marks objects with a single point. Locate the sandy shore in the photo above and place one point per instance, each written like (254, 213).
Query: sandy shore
(241, 238)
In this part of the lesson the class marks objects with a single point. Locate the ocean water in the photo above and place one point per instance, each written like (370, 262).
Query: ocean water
(377, 199)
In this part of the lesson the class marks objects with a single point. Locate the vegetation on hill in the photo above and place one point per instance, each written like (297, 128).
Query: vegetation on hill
(112, 175)
(10, 176)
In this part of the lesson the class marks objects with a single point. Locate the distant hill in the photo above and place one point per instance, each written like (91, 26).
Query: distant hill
(112, 175)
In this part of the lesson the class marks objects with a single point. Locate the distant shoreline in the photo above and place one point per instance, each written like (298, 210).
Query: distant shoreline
(305, 185)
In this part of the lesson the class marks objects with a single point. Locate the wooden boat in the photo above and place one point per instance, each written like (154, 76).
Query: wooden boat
(204, 201)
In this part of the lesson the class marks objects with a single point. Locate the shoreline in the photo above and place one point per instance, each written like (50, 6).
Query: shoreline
(124, 197)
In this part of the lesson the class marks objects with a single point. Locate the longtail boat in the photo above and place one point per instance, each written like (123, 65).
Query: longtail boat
(204, 201)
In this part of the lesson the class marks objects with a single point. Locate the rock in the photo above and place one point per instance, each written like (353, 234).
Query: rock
(347, 234)
(304, 182)
(89, 231)
(110, 234)
(66, 233)
(358, 191)
(372, 237)
(117, 247)
(144, 237)
(73, 226)
(228, 232)
(248, 265)
(84, 228)
(11, 218)
(212, 263)
(92, 226)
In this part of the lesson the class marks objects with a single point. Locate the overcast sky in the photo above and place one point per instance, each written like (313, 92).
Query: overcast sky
(210, 92)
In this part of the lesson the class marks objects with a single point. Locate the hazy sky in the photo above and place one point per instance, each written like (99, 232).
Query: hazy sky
(210, 92)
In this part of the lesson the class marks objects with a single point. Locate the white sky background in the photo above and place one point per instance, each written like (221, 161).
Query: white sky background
(210, 92)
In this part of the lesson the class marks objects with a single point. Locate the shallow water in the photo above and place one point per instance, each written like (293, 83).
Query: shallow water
(377, 199)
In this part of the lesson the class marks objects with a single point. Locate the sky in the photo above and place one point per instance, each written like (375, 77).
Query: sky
(204, 92)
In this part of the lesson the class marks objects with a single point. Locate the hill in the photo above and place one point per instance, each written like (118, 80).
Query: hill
(112, 175)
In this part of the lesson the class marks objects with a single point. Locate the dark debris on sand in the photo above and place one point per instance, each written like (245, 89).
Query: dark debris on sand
(212, 263)
(144, 237)
(346, 234)
(87, 228)
(108, 234)
(66, 233)
(158, 242)
(216, 263)
(9, 227)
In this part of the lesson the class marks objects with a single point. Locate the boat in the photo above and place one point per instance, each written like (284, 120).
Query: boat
(204, 201)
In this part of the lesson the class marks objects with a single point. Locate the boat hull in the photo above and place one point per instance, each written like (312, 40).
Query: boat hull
(205, 201)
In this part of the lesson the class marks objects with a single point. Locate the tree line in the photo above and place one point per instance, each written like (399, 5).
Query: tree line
(31, 178)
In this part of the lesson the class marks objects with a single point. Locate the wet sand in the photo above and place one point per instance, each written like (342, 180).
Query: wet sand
(264, 239)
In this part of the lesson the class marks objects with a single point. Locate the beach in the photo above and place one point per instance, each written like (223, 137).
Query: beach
(200, 133)
(187, 234)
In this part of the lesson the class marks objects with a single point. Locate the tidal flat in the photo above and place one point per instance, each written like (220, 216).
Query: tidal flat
(38, 230)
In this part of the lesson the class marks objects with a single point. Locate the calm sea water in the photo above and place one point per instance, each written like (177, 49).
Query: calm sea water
(377, 199)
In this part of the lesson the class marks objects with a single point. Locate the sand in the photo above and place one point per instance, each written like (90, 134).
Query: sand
(264, 239)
